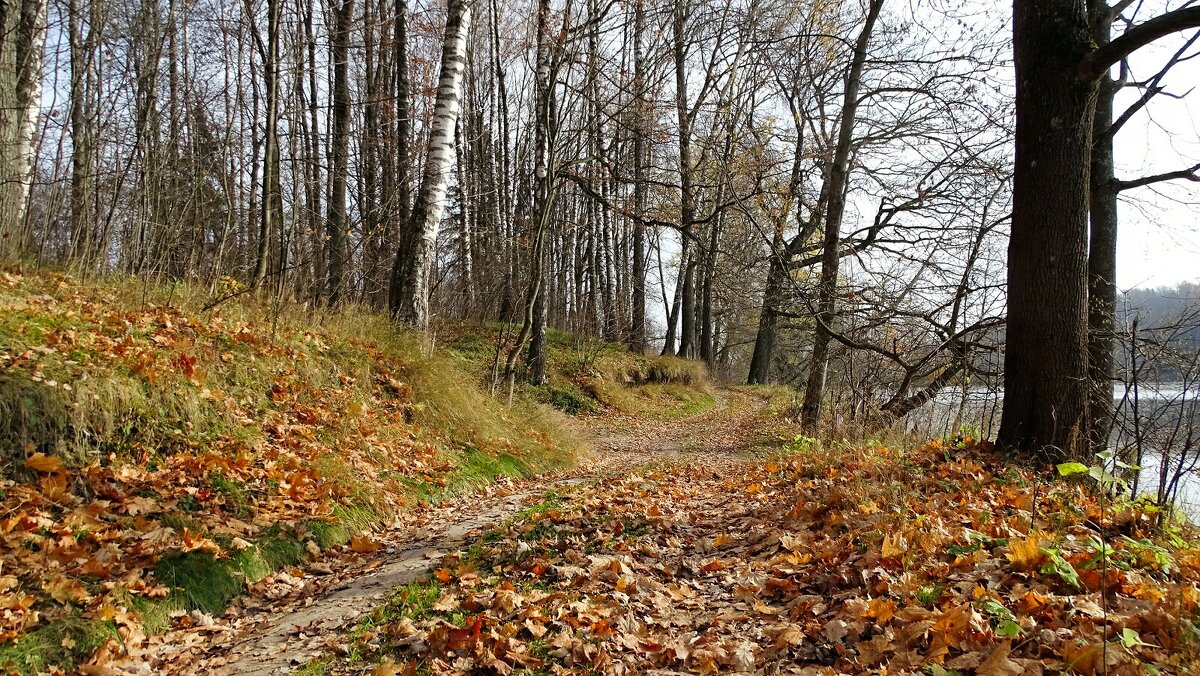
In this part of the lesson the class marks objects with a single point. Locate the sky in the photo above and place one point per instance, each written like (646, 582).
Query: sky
(1159, 237)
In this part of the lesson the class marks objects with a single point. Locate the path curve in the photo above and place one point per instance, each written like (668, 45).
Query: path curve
(260, 637)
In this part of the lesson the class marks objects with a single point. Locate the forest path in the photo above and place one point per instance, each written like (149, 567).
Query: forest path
(293, 616)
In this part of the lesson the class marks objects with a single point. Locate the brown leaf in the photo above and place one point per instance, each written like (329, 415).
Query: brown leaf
(999, 663)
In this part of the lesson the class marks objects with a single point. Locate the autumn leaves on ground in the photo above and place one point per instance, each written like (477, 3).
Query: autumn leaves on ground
(179, 480)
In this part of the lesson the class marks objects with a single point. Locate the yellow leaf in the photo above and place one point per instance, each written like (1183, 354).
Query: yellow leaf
(881, 609)
(1025, 553)
(893, 545)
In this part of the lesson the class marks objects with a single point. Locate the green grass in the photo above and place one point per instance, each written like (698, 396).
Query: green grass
(61, 644)
(588, 374)
(201, 580)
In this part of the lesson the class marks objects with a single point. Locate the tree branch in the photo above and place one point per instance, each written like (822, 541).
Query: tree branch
(1189, 174)
(1097, 62)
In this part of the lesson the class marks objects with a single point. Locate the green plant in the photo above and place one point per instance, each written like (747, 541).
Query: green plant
(800, 444)
(929, 594)
(1099, 473)
(1057, 565)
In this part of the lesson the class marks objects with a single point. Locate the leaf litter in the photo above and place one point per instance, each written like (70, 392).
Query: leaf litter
(941, 560)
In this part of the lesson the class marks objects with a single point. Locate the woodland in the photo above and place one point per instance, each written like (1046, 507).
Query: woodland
(776, 336)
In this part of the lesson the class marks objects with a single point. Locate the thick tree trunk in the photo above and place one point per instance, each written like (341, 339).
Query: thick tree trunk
(834, 187)
(1045, 366)
(409, 301)
(768, 319)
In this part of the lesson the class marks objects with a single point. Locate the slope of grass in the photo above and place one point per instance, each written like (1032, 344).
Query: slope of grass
(156, 456)
(588, 375)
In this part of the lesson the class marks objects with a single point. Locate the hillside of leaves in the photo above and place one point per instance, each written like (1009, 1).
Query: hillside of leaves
(156, 457)
(945, 559)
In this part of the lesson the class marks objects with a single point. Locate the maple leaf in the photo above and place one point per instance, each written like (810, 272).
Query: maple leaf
(46, 464)
(66, 589)
(881, 610)
(894, 545)
(1026, 553)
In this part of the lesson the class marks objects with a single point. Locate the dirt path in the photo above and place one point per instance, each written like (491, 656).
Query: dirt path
(293, 616)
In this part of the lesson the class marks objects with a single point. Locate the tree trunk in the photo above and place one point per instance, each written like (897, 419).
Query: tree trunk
(82, 245)
(272, 206)
(22, 37)
(637, 329)
(1045, 364)
(835, 188)
(1102, 245)
(687, 199)
(768, 319)
(339, 150)
(409, 301)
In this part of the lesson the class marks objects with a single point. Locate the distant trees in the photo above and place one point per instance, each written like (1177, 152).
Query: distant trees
(808, 193)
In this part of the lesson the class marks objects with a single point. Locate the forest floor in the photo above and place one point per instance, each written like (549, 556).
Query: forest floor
(301, 614)
(700, 551)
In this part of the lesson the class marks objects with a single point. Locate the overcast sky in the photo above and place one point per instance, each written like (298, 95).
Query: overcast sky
(1159, 239)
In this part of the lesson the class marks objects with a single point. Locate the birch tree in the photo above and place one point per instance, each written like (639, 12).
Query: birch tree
(22, 37)
(411, 273)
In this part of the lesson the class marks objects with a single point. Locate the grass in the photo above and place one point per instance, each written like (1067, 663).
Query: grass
(61, 644)
(587, 376)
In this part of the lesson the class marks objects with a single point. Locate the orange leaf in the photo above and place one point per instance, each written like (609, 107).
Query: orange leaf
(893, 546)
(715, 564)
(881, 609)
(363, 544)
(47, 464)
